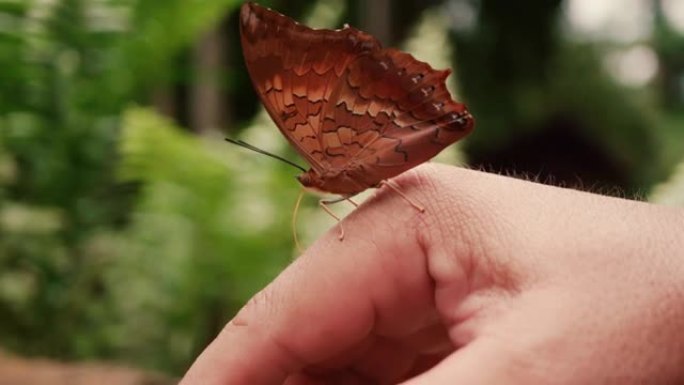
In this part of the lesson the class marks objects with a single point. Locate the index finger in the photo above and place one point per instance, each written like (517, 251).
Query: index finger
(331, 299)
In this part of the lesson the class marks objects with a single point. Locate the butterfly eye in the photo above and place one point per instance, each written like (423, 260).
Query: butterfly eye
(305, 179)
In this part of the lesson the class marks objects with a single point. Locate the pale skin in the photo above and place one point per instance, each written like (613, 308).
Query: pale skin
(500, 281)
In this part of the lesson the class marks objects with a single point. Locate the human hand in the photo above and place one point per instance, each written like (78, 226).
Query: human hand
(499, 281)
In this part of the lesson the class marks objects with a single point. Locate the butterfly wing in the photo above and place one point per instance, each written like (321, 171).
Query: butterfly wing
(295, 69)
(390, 113)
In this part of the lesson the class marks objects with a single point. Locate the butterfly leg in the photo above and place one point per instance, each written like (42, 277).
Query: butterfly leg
(324, 205)
(347, 198)
(406, 198)
(294, 221)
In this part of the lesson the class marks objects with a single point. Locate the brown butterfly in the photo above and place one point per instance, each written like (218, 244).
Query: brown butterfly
(358, 113)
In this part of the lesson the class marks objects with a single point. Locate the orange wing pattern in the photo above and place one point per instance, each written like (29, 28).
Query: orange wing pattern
(294, 69)
(358, 113)
(391, 113)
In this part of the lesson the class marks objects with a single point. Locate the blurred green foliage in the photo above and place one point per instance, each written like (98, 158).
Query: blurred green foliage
(118, 234)
(194, 250)
(534, 90)
(123, 236)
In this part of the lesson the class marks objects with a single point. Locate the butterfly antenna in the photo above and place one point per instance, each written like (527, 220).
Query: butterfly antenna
(260, 151)
(294, 221)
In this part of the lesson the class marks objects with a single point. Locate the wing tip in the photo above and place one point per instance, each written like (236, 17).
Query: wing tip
(246, 11)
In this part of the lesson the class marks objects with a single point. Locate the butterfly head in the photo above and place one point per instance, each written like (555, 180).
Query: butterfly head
(311, 180)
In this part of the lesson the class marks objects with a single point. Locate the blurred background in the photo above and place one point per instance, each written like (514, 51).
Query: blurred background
(130, 232)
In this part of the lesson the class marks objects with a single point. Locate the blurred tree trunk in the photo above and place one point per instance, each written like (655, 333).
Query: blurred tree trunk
(375, 17)
(389, 20)
(508, 53)
(544, 105)
(163, 101)
(208, 107)
(669, 46)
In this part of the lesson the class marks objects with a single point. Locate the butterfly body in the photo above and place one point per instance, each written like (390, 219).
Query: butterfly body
(348, 181)
(339, 182)
(358, 113)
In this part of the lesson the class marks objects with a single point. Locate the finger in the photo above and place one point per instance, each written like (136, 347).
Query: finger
(329, 301)
(483, 362)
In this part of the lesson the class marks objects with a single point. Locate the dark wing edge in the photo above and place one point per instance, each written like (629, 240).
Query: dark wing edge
(395, 112)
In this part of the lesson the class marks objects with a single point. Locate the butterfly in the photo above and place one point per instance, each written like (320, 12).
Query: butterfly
(358, 113)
